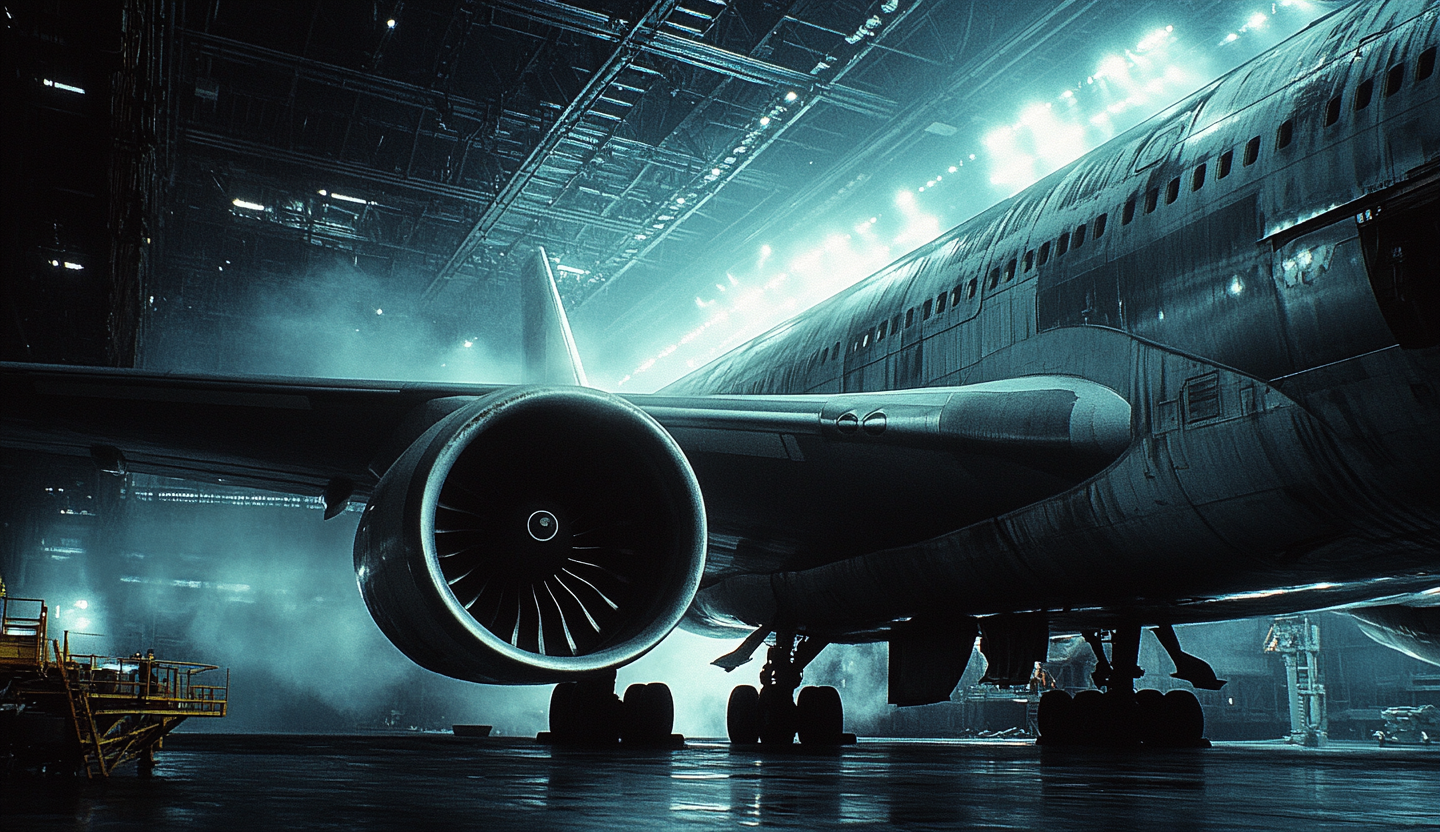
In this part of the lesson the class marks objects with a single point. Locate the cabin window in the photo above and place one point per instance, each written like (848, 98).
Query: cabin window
(955, 297)
(1252, 152)
(1226, 159)
(1362, 94)
(940, 302)
(928, 309)
(1044, 252)
(864, 341)
(1198, 180)
(1100, 225)
(1172, 191)
(880, 331)
(994, 278)
(971, 287)
(1128, 213)
(1079, 238)
(895, 324)
(1426, 65)
(1152, 199)
(1010, 270)
(1029, 259)
(1063, 244)
(824, 355)
(1285, 134)
(1332, 111)
(909, 317)
(835, 351)
(1394, 79)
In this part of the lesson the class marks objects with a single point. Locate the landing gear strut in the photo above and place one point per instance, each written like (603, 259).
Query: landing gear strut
(589, 713)
(1121, 716)
(773, 716)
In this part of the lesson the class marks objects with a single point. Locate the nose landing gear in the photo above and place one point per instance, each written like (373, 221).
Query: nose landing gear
(773, 715)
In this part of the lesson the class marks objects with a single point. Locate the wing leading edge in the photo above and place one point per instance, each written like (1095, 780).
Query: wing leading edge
(788, 481)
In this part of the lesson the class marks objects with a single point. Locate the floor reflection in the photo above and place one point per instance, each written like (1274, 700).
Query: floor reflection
(437, 782)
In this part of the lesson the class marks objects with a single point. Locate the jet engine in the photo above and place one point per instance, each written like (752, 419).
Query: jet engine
(535, 535)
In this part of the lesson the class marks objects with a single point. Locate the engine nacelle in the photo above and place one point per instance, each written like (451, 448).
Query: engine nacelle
(535, 535)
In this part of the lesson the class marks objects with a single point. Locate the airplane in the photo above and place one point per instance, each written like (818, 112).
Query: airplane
(1192, 376)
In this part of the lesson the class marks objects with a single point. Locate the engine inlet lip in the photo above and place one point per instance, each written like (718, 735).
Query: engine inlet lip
(459, 430)
(542, 526)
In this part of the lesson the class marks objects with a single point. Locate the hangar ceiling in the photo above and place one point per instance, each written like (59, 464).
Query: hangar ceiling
(418, 151)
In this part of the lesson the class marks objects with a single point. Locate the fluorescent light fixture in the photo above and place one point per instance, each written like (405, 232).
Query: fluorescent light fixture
(74, 267)
(249, 206)
(66, 87)
(570, 270)
(355, 199)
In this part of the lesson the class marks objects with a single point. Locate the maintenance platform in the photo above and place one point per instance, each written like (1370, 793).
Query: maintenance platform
(65, 712)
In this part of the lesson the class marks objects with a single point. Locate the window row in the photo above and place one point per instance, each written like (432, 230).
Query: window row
(1284, 136)
(1075, 239)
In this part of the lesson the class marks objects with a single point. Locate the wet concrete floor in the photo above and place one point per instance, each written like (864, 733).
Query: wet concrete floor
(417, 782)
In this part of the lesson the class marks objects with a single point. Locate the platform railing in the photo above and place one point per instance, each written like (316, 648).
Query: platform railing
(151, 685)
(23, 623)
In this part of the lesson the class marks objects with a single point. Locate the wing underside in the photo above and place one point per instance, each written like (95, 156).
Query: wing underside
(789, 480)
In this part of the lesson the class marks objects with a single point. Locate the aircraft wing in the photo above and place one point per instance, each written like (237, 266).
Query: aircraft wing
(290, 435)
(787, 480)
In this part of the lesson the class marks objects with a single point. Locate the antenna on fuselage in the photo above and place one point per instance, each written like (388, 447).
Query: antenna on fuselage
(550, 356)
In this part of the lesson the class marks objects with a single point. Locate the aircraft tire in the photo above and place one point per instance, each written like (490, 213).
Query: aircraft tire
(1088, 723)
(1184, 720)
(819, 715)
(1055, 717)
(1150, 716)
(777, 717)
(649, 714)
(742, 716)
(563, 725)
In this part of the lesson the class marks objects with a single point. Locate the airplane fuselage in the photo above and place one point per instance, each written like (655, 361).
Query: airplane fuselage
(1254, 269)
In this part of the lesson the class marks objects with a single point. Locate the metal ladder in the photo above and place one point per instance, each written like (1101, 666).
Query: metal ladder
(84, 722)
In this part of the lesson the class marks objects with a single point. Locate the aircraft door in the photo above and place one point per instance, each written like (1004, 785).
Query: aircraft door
(1400, 240)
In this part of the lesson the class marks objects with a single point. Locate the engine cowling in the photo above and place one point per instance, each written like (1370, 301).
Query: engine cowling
(535, 535)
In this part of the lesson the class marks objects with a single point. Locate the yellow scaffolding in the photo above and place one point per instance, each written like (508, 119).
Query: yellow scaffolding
(113, 709)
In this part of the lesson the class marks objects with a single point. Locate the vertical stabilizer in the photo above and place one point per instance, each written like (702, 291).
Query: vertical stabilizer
(548, 346)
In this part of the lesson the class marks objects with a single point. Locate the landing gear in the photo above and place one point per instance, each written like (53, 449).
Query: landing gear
(742, 715)
(1146, 717)
(589, 713)
(773, 716)
(1122, 716)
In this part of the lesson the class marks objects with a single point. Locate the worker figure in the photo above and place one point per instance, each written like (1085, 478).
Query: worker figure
(148, 673)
